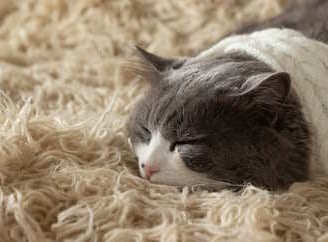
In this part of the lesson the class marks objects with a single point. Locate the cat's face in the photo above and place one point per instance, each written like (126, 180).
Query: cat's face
(208, 121)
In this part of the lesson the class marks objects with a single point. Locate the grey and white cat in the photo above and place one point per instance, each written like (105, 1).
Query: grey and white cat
(228, 119)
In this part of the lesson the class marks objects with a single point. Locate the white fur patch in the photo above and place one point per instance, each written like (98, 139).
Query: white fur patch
(173, 171)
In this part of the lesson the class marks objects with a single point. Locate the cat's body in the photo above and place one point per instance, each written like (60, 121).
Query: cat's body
(309, 18)
(227, 119)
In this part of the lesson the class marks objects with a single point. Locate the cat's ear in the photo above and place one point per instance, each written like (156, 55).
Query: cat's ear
(268, 89)
(151, 66)
(159, 63)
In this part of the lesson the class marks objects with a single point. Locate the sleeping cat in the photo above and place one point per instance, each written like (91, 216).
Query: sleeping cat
(244, 111)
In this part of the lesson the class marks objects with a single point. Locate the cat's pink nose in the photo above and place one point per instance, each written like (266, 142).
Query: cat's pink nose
(150, 170)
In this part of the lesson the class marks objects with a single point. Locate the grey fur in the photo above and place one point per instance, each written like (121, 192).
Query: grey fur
(232, 118)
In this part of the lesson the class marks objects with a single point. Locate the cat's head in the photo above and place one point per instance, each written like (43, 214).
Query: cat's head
(218, 120)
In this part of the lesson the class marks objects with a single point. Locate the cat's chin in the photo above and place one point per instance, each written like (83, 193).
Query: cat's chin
(199, 182)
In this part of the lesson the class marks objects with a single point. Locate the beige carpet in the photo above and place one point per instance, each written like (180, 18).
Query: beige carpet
(66, 172)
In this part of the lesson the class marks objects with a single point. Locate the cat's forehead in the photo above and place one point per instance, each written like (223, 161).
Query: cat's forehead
(202, 70)
(201, 77)
(213, 73)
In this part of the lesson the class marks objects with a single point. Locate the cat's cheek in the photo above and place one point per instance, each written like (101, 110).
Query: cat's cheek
(175, 172)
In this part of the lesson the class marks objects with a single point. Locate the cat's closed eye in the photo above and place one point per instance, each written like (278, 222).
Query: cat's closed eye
(176, 144)
(143, 134)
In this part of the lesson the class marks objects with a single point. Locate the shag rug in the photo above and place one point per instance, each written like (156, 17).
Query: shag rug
(66, 171)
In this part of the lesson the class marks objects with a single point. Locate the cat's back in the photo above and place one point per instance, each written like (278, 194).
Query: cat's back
(309, 17)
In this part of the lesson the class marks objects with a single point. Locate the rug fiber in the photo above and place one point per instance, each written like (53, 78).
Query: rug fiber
(66, 171)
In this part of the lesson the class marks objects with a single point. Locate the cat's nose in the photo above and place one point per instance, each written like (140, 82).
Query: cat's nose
(150, 170)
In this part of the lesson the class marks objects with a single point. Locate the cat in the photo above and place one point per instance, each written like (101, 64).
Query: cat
(227, 119)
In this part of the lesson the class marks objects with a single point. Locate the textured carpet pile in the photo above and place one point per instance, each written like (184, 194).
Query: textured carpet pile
(66, 171)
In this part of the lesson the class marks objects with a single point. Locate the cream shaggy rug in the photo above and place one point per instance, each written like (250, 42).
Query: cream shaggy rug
(66, 171)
